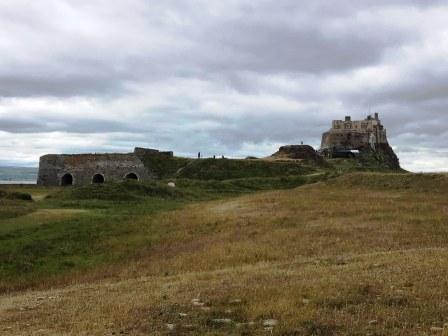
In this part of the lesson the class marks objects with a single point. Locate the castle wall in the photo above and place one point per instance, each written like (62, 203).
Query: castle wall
(346, 140)
(353, 134)
(83, 167)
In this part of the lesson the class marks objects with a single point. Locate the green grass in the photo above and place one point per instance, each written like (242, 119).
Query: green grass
(164, 166)
(225, 169)
(15, 195)
(363, 253)
(73, 229)
(433, 183)
(35, 247)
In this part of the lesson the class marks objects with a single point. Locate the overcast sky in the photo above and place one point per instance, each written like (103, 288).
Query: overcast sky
(233, 77)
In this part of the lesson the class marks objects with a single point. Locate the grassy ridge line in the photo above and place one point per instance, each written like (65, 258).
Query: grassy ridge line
(226, 169)
(395, 181)
(223, 169)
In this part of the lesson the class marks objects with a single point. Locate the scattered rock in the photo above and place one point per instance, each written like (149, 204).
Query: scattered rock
(235, 301)
(270, 323)
(222, 321)
(198, 304)
(183, 315)
(436, 329)
(373, 322)
(171, 184)
(170, 326)
(246, 324)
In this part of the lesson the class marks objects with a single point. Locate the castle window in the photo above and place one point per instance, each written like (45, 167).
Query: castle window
(98, 179)
(67, 180)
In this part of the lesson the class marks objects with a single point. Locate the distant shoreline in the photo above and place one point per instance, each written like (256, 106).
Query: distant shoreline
(18, 175)
(8, 182)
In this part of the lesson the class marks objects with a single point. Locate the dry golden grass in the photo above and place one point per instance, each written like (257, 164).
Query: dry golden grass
(325, 259)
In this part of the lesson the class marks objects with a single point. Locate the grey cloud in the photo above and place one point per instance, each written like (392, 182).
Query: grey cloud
(267, 37)
(71, 125)
(108, 52)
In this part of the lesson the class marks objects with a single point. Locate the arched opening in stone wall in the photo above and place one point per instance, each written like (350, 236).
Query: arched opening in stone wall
(131, 176)
(67, 180)
(98, 179)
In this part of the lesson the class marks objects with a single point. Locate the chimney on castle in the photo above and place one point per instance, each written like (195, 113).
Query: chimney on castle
(377, 117)
(348, 118)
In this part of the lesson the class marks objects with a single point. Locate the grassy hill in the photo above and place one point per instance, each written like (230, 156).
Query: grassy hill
(224, 169)
(363, 253)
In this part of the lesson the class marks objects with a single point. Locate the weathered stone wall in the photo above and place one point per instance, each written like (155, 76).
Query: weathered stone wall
(141, 153)
(56, 170)
(345, 139)
(354, 134)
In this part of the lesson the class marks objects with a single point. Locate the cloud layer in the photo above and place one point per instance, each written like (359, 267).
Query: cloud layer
(233, 77)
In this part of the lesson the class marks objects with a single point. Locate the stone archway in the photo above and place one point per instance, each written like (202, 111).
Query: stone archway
(98, 179)
(131, 176)
(67, 180)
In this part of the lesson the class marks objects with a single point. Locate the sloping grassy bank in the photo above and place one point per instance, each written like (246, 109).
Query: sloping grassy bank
(225, 169)
(75, 229)
(362, 254)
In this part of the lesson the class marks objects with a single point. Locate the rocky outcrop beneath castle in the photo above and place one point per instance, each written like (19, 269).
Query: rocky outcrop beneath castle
(364, 140)
(298, 152)
(383, 157)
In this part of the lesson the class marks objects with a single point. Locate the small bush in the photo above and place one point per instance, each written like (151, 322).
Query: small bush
(15, 196)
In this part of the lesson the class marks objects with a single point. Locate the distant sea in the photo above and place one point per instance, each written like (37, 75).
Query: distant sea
(18, 175)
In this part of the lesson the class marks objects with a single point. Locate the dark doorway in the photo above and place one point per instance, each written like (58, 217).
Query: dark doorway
(131, 176)
(67, 180)
(98, 179)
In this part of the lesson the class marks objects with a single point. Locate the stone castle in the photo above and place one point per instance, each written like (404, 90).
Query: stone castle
(349, 135)
(83, 169)
(364, 139)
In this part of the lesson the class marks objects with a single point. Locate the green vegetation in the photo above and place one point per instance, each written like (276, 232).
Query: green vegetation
(73, 229)
(165, 166)
(357, 254)
(320, 250)
(14, 195)
(224, 169)
(433, 183)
